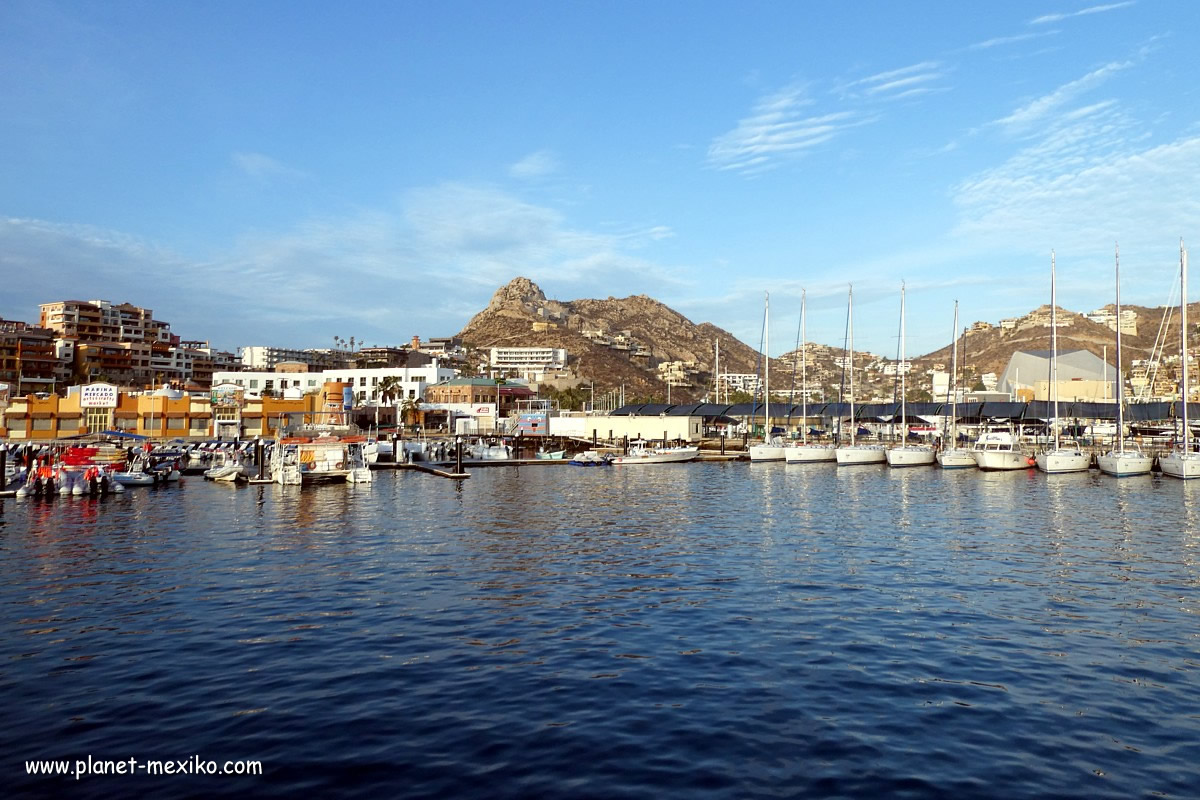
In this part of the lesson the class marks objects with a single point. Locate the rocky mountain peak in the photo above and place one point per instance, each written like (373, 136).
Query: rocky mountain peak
(520, 292)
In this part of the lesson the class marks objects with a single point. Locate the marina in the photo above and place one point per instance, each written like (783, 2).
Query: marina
(712, 628)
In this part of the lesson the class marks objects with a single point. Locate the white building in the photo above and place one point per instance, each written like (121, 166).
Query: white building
(531, 363)
(413, 381)
(259, 357)
(748, 382)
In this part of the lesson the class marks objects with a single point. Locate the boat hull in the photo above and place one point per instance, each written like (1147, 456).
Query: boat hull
(956, 458)
(1057, 461)
(672, 456)
(910, 456)
(999, 460)
(1180, 465)
(809, 454)
(1121, 465)
(860, 454)
(768, 452)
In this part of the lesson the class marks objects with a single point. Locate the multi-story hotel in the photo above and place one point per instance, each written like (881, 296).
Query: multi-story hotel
(531, 363)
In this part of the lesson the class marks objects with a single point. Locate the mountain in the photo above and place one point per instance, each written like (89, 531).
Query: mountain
(629, 341)
(641, 343)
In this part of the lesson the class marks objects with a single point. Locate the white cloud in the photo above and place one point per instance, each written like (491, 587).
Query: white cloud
(1047, 18)
(1036, 110)
(1003, 40)
(262, 167)
(535, 165)
(777, 128)
(381, 275)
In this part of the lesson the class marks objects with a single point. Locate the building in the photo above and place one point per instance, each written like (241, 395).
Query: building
(482, 399)
(530, 363)
(28, 358)
(1030, 370)
(264, 358)
(748, 382)
(295, 379)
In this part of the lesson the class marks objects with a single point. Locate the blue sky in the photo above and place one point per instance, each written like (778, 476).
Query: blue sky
(281, 173)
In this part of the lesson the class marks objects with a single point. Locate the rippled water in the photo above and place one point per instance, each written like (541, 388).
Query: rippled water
(717, 630)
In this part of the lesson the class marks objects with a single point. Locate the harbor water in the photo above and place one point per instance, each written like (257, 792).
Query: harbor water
(722, 630)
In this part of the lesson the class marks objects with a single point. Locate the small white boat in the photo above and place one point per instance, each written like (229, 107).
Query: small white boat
(1182, 462)
(550, 455)
(907, 455)
(910, 455)
(854, 453)
(956, 458)
(641, 453)
(998, 450)
(809, 453)
(301, 461)
(1120, 462)
(1060, 458)
(590, 458)
(489, 451)
(773, 450)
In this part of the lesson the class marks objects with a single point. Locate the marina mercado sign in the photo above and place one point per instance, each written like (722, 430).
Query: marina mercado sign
(98, 395)
(227, 394)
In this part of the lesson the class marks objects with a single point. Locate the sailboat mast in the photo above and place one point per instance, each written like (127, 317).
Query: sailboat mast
(767, 367)
(1183, 323)
(1054, 351)
(954, 382)
(803, 369)
(1120, 380)
(850, 355)
(903, 377)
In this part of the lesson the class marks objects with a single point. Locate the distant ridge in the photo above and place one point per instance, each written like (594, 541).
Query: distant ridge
(622, 341)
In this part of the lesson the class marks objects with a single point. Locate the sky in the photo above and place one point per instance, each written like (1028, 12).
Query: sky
(281, 173)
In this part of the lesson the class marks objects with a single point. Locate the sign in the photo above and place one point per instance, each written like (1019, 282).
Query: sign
(347, 398)
(98, 395)
(226, 394)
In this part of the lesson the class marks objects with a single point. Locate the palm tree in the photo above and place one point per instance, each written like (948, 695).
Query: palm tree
(409, 409)
(390, 390)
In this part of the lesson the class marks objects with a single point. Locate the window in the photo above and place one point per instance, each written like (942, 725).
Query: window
(374, 380)
(362, 381)
(176, 423)
(253, 384)
(98, 419)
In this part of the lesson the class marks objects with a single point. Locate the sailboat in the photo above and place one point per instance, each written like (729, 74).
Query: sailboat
(953, 456)
(804, 451)
(1181, 462)
(855, 453)
(772, 447)
(1060, 459)
(905, 454)
(1121, 462)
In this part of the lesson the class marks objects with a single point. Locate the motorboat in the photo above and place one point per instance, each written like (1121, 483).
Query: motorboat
(640, 452)
(550, 455)
(300, 461)
(999, 450)
(590, 458)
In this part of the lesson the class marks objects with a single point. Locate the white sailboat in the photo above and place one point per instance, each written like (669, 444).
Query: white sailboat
(905, 454)
(855, 453)
(805, 452)
(1060, 459)
(772, 447)
(1121, 462)
(1181, 462)
(955, 457)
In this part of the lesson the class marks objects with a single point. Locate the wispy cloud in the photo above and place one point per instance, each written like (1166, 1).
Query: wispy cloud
(262, 167)
(1048, 18)
(777, 129)
(999, 41)
(535, 165)
(1036, 110)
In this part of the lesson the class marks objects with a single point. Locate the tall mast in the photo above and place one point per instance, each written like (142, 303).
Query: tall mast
(1183, 339)
(766, 367)
(903, 378)
(954, 382)
(850, 355)
(1054, 351)
(717, 371)
(1120, 380)
(803, 369)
